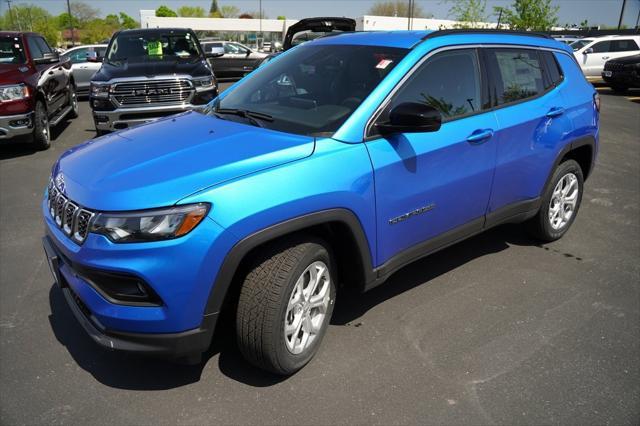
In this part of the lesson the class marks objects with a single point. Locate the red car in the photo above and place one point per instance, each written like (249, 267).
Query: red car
(36, 88)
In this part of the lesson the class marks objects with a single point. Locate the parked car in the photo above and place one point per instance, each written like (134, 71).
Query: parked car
(36, 88)
(85, 62)
(238, 60)
(567, 39)
(332, 167)
(150, 73)
(622, 74)
(311, 28)
(592, 53)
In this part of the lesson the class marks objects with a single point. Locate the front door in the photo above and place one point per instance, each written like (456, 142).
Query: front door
(435, 184)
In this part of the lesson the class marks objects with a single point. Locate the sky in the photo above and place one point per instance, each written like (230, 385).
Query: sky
(603, 12)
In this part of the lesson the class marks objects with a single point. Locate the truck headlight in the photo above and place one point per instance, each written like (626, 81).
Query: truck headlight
(204, 83)
(100, 90)
(149, 225)
(13, 92)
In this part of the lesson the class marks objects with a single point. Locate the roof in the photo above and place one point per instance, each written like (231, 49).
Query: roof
(402, 39)
(155, 30)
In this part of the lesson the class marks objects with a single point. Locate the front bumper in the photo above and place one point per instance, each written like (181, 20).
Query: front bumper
(622, 78)
(122, 118)
(16, 125)
(180, 272)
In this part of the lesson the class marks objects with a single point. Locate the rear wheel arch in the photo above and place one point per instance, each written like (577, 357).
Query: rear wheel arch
(582, 150)
(339, 228)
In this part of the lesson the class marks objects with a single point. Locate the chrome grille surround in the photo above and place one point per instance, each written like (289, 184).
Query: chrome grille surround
(176, 91)
(70, 217)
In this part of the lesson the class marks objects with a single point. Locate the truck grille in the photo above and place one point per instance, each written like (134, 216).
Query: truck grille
(613, 66)
(176, 91)
(69, 216)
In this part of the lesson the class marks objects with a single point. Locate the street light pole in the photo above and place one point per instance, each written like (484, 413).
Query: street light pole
(70, 22)
(624, 3)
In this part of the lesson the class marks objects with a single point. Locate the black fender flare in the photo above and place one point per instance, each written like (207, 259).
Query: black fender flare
(589, 140)
(238, 252)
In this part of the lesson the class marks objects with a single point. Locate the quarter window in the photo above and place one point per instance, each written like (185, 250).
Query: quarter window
(448, 81)
(603, 46)
(517, 74)
(552, 72)
(623, 45)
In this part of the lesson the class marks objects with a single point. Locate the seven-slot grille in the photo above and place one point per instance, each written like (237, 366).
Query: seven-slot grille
(613, 66)
(69, 216)
(176, 91)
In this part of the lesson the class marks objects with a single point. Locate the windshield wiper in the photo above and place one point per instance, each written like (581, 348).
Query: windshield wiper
(249, 115)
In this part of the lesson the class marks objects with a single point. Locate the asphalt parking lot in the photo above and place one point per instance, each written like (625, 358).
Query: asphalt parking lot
(494, 330)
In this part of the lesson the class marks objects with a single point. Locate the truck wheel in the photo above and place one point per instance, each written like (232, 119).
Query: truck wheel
(41, 133)
(285, 306)
(73, 100)
(560, 203)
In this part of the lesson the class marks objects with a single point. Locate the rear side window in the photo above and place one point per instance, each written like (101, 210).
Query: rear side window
(34, 48)
(623, 45)
(603, 46)
(516, 74)
(448, 81)
(551, 70)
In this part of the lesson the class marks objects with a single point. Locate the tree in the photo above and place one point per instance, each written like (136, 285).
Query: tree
(397, 8)
(245, 16)
(97, 30)
(83, 13)
(213, 10)
(281, 18)
(32, 18)
(127, 22)
(191, 12)
(536, 15)
(229, 12)
(164, 12)
(63, 21)
(468, 12)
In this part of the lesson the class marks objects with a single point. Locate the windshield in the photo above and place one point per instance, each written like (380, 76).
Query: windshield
(139, 47)
(312, 90)
(11, 50)
(579, 44)
(308, 35)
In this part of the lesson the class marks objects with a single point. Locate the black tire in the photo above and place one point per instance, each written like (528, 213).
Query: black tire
(101, 132)
(41, 131)
(620, 89)
(264, 299)
(73, 101)
(540, 226)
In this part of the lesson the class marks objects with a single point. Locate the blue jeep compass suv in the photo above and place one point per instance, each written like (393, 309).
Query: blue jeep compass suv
(334, 165)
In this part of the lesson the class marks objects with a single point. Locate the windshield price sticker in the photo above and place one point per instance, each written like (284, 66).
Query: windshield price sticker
(383, 64)
(154, 48)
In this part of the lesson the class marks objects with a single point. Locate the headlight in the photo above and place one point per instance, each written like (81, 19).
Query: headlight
(205, 83)
(149, 225)
(100, 90)
(13, 92)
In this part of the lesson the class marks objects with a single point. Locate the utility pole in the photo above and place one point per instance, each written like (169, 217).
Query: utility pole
(70, 23)
(638, 19)
(409, 15)
(260, 9)
(13, 22)
(499, 19)
(624, 3)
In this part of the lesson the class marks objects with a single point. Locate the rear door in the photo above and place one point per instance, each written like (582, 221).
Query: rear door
(623, 47)
(593, 63)
(437, 183)
(529, 107)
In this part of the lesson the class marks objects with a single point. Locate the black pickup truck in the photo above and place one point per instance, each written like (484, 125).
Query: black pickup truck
(150, 73)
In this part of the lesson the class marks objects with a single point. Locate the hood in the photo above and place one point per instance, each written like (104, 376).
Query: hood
(318, 25)
(157, 164)
(151, 68)
(627, 60)
(13, 73)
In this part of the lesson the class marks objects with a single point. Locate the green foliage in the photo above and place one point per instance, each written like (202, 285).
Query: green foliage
(213, 10)
(63, 21)
(32, 18)
(164, 12)
(127, 22)
(536, 15)
(229, 12)
(97, 30)
(191, 12)
(468, 12)
(281, 18)
(398, 8)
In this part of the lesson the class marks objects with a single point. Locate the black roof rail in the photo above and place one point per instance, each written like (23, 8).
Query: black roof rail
(440, 33)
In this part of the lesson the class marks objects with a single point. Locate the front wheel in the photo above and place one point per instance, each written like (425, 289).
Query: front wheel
(285, 306)
(41, 132)
(560, 203)
(73, 101)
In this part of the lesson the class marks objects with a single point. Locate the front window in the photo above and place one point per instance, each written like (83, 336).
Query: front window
(11, 50)
(153, 45)
(579, 44)
(310, 91)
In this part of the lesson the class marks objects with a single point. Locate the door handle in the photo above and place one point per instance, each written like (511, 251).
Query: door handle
(480, 136)
(555, 111)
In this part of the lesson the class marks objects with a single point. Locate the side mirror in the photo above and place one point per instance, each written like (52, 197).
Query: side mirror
(587, 51)
(48, 58)
(411, 117)
(93, 57)
(215, 52)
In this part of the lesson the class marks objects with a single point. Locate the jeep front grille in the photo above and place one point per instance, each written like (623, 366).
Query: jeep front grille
(68, 216)
(175, 91)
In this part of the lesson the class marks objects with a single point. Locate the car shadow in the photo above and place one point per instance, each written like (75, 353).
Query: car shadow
(128, 371)
(21, 146)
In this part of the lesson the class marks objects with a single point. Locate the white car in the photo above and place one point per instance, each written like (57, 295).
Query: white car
(592, 53)
(85, 62)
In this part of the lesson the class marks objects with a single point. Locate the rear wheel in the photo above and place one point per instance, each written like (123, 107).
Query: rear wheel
(41, 133)
(285, 306)
(560, 203)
